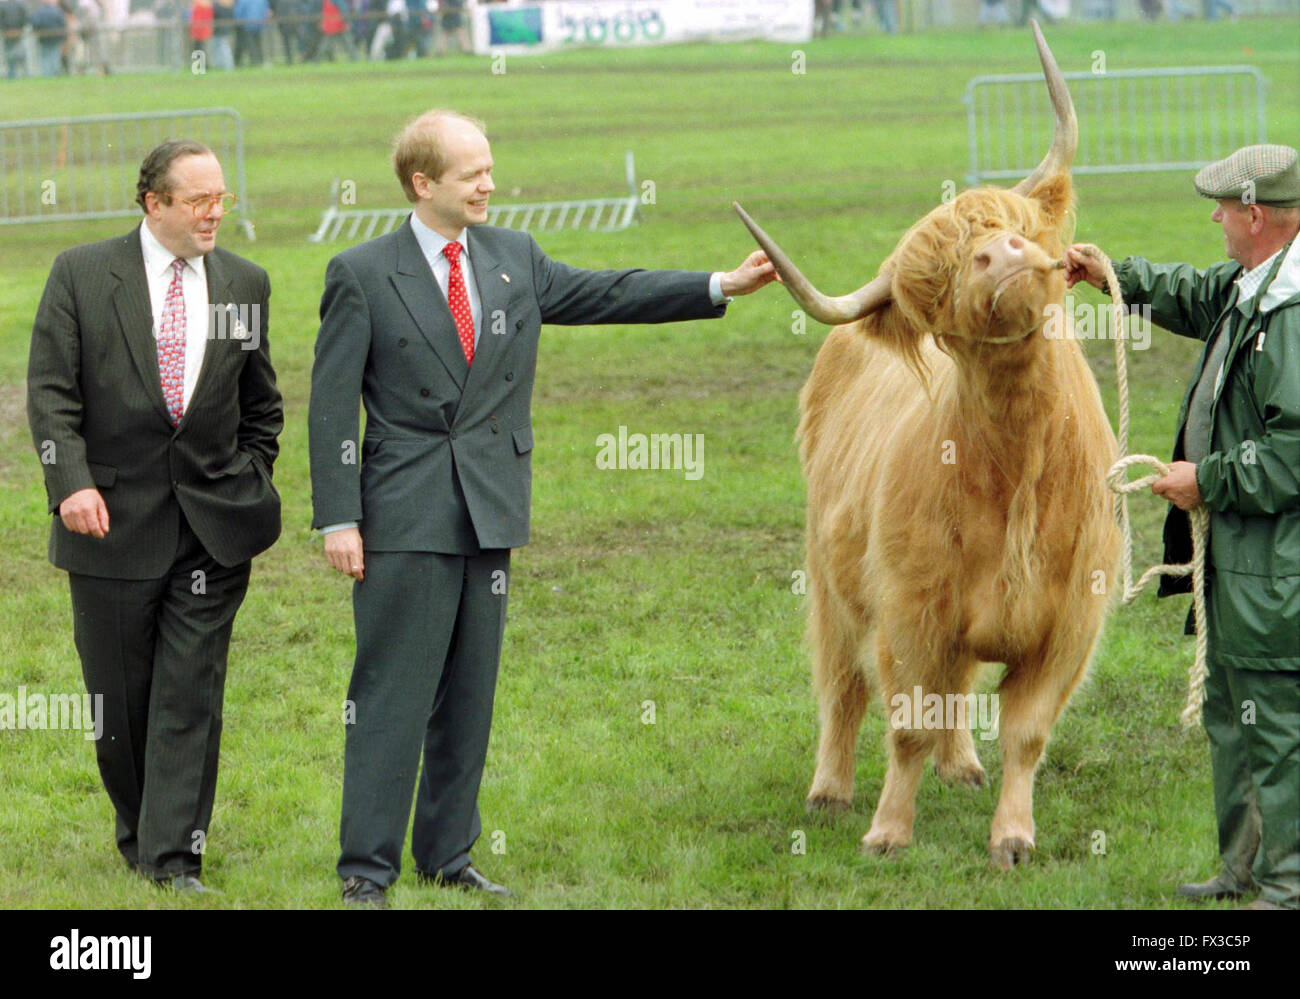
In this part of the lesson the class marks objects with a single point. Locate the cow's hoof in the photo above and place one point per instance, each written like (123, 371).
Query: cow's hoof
(1011, 851)
(821, 804)
(879, 844)
(963, 775)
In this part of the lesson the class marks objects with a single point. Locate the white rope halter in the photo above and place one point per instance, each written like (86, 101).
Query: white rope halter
(1199, 517)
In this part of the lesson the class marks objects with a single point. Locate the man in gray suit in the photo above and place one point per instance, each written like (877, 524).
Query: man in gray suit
(435, 328)
(153, 406)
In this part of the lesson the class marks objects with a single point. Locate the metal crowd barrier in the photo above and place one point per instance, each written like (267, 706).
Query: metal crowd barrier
(1130, 121)
(77, 169)
(591, 214)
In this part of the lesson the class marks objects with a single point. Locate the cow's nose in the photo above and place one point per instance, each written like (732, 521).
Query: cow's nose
(1004, 254)
(1009, 250)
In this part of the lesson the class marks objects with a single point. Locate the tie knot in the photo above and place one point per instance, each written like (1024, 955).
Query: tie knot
(178, 265)
(452, 251)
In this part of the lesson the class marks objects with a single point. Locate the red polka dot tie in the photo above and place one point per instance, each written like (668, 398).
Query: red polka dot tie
(458, 301)
(171, 344)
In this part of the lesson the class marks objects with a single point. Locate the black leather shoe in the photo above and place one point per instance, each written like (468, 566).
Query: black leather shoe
(468, 878)
(186, 884)
(362, 893)
(1216, 887)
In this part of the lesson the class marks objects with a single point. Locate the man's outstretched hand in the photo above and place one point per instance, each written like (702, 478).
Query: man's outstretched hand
(751, 275)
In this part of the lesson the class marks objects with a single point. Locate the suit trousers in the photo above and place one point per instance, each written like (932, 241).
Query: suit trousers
(429, 630)
(156, 650)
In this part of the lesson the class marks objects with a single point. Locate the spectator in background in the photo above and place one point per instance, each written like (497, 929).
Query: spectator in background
(994, 12)
(200, 26)
(367, 16)
(223, 26)
(93, 55)
(455, 23)
(250, 21)
(419, 23)
(288, 16)
(51, 27)
(170, 20)
(886, 14)
(823, 14)
(396, 20)
(1047, 11)
(311, 35)
(334, 30)
(13, 22)
(71, 41)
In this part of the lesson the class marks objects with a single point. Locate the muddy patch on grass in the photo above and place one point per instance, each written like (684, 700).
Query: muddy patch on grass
(14, 440)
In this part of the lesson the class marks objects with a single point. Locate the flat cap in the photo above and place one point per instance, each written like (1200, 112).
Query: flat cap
(1267, 175)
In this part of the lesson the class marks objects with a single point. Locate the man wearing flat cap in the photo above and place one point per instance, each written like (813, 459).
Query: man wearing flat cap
(1238, 453)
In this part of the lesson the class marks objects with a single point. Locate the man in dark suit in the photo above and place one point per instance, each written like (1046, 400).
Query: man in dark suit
(153, 406)
(435, 328)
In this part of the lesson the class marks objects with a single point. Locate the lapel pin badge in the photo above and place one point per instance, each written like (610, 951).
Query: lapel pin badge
(238, 331)
(505, 277)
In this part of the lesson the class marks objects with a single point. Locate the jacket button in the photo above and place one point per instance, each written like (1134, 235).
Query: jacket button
(519, 324)
(496, 429)
(401, 341)
(510, 376)
(452, 435)
(425, 393)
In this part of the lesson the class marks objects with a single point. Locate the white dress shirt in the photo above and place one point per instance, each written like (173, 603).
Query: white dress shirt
(194, 283)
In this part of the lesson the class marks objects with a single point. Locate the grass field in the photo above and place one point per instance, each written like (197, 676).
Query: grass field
(638, 586)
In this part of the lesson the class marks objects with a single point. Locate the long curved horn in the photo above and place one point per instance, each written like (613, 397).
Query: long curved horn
(1066, 141)
(832, 311)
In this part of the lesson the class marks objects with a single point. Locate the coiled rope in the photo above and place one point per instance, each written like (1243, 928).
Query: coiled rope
(1119, 484)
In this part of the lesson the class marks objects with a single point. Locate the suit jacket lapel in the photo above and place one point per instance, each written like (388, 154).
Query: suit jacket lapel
(493, 293)
(134, 313)
(418, 289)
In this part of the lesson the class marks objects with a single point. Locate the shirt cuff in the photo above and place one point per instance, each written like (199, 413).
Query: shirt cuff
(715, 289)
(330, 528)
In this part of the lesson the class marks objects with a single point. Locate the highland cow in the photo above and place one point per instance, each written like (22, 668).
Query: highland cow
(957, 510)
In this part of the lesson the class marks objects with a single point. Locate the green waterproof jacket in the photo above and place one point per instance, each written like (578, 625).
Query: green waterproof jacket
(1250, 480)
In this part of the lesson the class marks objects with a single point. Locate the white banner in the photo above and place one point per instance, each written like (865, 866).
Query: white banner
(530, 28)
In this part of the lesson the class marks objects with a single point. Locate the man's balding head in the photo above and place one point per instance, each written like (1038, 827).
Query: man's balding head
(422, 146)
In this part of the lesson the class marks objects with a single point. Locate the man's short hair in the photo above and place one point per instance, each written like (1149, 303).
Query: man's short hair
(157, 165)
(418, 149)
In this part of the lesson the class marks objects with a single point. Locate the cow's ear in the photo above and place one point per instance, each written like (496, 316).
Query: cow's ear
(1055, 197)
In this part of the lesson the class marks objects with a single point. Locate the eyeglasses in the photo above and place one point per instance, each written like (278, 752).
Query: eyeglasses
(204, 203)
